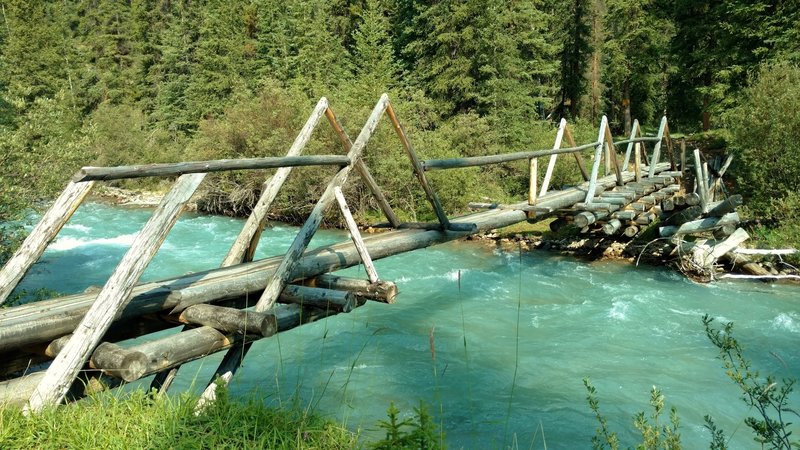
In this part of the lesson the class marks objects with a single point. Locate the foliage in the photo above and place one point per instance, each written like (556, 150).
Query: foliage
(767, 170)
(654, 434)
(137, 420)
(768, 397)
(419, 432)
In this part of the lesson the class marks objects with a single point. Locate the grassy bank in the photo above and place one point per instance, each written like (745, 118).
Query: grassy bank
(138, 421)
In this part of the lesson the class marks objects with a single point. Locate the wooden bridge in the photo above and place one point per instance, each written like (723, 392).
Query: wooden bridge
(67, 346)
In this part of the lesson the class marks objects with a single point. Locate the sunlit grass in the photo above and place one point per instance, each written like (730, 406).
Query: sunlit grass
(138, 421)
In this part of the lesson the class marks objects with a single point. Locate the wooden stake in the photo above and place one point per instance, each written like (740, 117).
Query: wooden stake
(44, 232)
(113, 297)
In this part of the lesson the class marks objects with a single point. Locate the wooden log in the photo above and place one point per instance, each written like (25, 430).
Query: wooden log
(707, 257)
(419, 171)
(612, 157)
(551, 164)
(174, 169)
(355, 235)
(684, 216)
(645, 218)
(558, 224)
(679, 200)
(611, 227)
(230, 320)
(482, 205)
(627, 195)
(583, 219)
(640, 206)
(631, 231)
(624, 215)
(631, 143)
(700, 183)
(319, 298)
(657, 148)
(473, 161)
(637, 165)
(648, 199)
(44, 232)
(726, 206)
(610, 200)
(598, 153)
(533, 175)
(383, 291)
(597, 206)
(760, 251)
(693, 199)
(724, 231)
(114, 296)
(363, 171)
(251, 232)
(668, 204)
(745, 264)
(17, 391)
(180, 348)
(699, 226)
(113, 360)
(577, 154)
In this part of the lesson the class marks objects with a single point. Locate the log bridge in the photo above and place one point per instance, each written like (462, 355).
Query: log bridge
(63, 348)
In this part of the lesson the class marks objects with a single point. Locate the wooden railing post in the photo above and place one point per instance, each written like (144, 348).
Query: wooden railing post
(598, 154)
(657, 150)
(44, 232)
(551, 165)
(113, 297)
(533, 167)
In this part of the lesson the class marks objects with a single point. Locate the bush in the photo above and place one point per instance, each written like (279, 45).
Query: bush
(765, 130)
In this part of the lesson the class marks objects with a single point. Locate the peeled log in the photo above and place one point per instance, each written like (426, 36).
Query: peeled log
(119, 362)
(319, 298)
(230, 320)
(726, 206)
(180, 348)
(668, 204)
(384, 291)
(611, 227)
(699, 226)
(684, 216)
(631, 231)
(583, 219)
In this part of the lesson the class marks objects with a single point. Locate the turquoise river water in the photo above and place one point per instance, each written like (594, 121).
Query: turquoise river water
(514, 335)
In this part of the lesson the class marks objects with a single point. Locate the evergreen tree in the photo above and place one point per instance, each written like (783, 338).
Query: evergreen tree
(635, 61)
(375, 67)
(574, 33)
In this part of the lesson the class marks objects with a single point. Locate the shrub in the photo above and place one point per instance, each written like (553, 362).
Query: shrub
(765, 130)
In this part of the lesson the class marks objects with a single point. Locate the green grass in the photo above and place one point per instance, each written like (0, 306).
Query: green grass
(138, 421)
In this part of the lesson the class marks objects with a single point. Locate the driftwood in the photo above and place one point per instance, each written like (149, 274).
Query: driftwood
(699, 226)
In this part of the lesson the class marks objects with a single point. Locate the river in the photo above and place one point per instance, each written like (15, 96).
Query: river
(513, 334)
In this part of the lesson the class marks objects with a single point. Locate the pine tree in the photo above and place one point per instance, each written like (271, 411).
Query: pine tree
(574, 33)
(373, 59)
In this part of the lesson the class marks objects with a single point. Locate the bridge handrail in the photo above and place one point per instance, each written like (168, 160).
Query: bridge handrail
(218, 165)
(472, 161)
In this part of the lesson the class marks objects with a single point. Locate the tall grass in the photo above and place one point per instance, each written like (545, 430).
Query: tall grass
(137, 420)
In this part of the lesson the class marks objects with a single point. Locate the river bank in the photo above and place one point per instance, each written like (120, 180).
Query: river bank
(655, 252)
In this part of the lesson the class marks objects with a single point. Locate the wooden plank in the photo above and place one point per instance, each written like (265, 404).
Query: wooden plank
(363, 171)
(419, 172)
(113, 297)
(44, 232)
(551, 164)
(219, 165)
(355, 235)
(245, 244)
